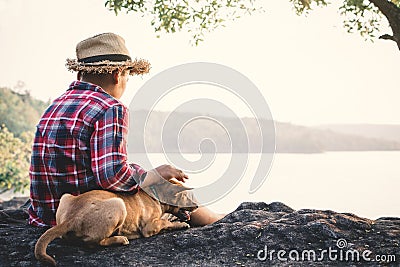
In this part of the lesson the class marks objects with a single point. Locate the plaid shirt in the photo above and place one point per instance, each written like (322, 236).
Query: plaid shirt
(80, 145)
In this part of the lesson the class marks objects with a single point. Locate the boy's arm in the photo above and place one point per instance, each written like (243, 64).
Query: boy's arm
(109, 153)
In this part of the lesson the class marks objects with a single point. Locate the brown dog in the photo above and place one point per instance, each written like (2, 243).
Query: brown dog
(96, 215)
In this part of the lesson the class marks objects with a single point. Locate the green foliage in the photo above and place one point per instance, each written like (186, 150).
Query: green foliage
(361, 16)
(304, 6)
(19, 112)
(396, 2)
(195, 16)
(201, 16)
(14, 160)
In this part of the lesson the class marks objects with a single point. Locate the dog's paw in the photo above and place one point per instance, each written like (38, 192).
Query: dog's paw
(184, 225)
(125, 241)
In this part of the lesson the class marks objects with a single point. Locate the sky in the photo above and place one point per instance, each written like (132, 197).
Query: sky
(309, 69)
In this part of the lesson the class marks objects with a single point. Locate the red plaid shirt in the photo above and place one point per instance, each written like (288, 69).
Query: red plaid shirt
(80, 145)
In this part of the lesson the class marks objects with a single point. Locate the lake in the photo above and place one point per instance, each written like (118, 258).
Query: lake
(364, 183)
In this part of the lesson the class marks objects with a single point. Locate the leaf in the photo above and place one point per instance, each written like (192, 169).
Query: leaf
(188, 15)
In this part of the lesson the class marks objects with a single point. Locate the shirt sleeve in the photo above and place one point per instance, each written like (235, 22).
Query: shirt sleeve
(109, 152)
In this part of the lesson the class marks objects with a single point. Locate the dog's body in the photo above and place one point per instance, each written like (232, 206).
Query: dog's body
(96, 215)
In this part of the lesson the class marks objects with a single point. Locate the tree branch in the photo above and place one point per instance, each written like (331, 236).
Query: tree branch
(392, 13)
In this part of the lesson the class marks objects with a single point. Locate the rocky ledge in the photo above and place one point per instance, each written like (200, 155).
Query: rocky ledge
(254, 234)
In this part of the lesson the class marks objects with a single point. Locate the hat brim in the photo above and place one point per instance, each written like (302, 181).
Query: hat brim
(138, 66)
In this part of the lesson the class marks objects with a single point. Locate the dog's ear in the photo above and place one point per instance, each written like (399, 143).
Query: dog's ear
(178, 184)
(175, 182)
(169, 187)
(170, 193)
(179, 188)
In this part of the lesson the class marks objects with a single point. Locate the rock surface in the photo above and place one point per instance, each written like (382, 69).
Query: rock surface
(13, 203)
(255, 234)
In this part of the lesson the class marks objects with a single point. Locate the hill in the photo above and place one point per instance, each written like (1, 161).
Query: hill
(290, 138)
(377, 131)
(20, 112)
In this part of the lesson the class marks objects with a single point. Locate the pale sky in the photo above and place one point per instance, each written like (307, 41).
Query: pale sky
(309, 69)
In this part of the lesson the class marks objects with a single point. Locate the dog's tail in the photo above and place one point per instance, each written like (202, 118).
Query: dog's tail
(45, 239)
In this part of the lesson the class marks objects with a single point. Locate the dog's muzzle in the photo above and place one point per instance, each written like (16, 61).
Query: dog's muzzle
(183, 215)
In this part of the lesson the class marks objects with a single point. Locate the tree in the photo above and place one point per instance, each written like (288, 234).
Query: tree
(194, 16)
(19, 112)
(14, 160)
(198, 17)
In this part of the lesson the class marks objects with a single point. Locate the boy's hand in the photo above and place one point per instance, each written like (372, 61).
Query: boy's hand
(168, 172)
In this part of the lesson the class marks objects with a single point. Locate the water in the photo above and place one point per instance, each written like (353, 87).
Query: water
(364, 183)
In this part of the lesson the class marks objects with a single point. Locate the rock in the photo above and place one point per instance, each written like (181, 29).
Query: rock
(13, 203)
(254, 234)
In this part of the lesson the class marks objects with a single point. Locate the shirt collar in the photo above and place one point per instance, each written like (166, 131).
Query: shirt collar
(79, 85)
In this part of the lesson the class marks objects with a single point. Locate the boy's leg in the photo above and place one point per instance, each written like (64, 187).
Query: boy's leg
(203, 216)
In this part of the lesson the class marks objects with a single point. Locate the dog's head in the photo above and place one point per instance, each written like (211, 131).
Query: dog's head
(186, 204)
(176, 199)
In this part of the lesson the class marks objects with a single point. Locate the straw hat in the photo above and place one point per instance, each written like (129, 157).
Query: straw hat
(105, 53)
